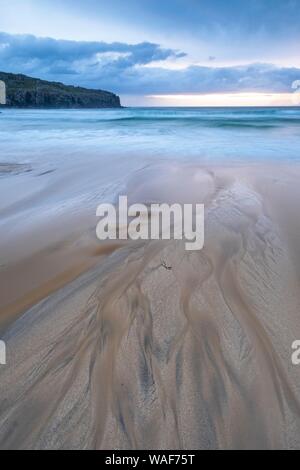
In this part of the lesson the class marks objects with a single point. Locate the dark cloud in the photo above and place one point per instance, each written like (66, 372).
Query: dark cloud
(195, 79)
(122, 68)
(50, 55)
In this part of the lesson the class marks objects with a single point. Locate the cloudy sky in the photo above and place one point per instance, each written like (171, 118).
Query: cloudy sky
(159, 52)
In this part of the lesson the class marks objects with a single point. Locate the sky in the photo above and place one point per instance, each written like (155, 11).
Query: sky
(159, 52)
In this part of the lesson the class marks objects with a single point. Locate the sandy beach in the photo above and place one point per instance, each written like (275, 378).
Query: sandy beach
(149, 228)
(108, 349)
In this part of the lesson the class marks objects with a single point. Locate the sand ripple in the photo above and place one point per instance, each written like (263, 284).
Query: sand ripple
(133, 355)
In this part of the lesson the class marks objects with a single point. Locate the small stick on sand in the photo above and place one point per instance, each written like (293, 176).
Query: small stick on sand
(164, 265)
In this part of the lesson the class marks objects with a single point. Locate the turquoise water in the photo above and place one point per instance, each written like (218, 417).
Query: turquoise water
(41, 137)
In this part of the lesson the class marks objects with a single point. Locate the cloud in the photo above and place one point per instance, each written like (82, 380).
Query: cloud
(123, 68)
(30, 53)
(195, 79)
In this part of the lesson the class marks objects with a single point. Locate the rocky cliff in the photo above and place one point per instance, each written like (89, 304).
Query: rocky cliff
(27, 92)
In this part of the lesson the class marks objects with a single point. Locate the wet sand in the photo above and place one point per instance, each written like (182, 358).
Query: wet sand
(126, 354)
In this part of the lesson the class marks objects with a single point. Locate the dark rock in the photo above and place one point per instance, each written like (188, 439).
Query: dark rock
(27, 92)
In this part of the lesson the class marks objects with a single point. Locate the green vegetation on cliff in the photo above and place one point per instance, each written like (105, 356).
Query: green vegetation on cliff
(27, 92)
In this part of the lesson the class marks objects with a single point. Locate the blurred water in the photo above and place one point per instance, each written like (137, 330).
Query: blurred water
(57, 166)
(58, 137)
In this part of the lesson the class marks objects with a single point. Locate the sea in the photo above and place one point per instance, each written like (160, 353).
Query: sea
(55, 162)
(50, 138)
